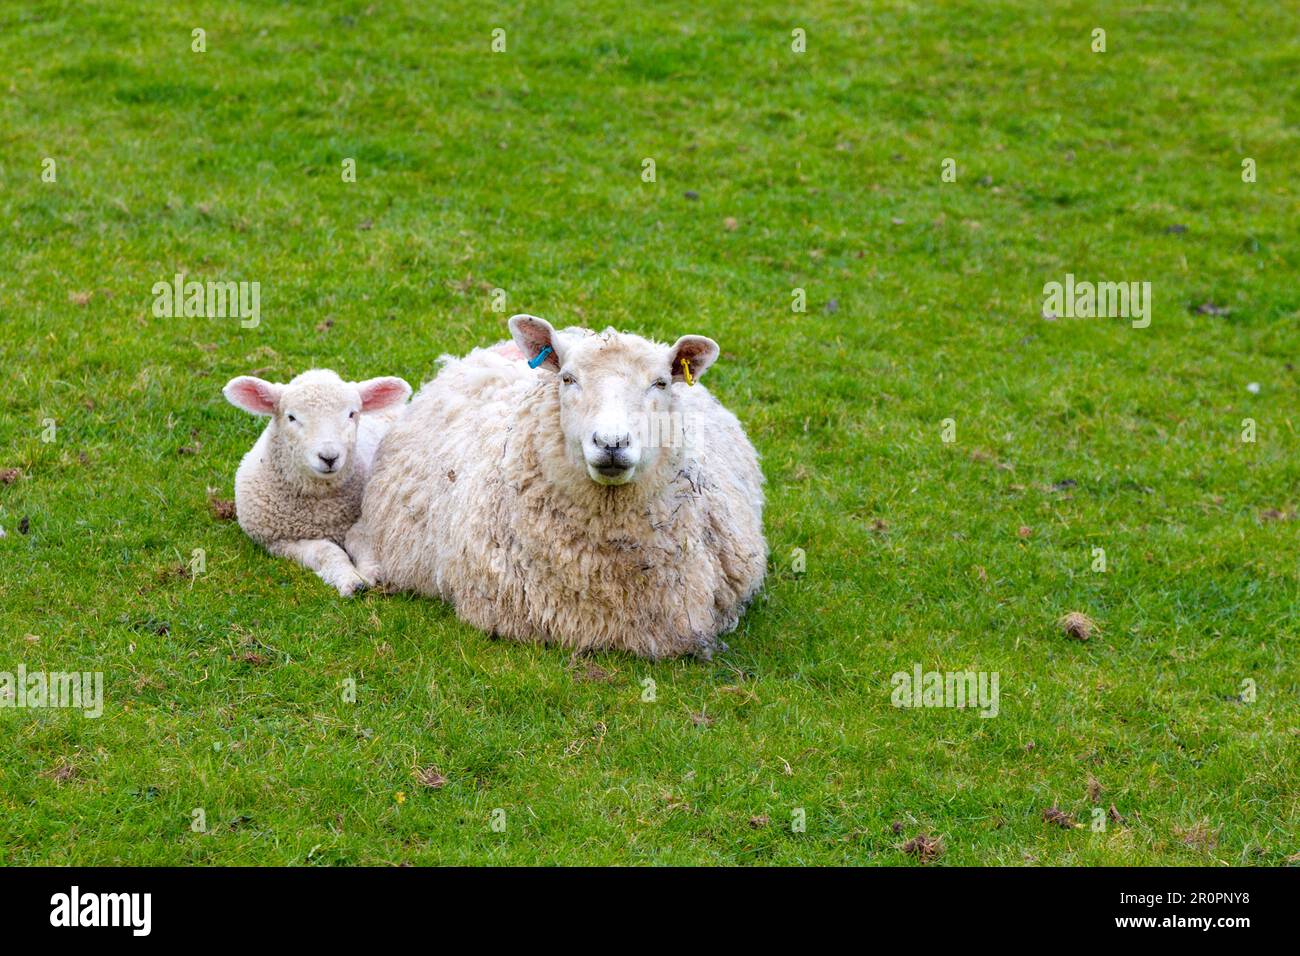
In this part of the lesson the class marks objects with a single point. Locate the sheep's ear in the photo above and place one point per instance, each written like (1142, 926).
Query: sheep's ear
(533, 336)
(252, 394)
(694, 352)
(377, 393)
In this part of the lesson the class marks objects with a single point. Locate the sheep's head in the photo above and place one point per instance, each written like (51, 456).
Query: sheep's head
(616, 393)
(314, 417)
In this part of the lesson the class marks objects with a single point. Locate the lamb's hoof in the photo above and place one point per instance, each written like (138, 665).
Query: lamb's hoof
(353, 588)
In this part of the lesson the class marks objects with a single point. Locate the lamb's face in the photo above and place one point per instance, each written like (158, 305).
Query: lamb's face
(314, 418)
(617, 409)
(316, 422)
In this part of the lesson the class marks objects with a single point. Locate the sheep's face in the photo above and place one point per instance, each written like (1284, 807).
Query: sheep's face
(315, 417)
(609, 392)
(617, 410)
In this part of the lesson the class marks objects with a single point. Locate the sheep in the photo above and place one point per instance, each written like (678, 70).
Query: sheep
(541, 504)
(299, 489)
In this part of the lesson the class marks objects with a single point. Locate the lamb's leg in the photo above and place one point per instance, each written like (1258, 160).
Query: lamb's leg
(327, 559)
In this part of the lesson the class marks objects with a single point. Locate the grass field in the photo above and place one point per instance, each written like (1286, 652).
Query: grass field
(774, 171)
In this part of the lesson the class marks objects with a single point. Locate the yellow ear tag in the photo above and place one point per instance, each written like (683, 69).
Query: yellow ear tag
(686, 367)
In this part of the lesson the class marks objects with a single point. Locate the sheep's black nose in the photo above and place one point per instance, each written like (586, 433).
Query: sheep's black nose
(611, 441)
(329, 461)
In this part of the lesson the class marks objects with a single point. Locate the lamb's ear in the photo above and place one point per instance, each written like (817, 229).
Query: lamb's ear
(533, 336)
(377, 393)
(252, 394)
(694, 351)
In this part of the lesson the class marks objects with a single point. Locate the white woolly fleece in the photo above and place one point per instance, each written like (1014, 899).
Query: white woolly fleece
(473, 499)
(274, 501)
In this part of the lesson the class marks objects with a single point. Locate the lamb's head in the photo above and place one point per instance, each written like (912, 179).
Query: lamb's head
(616, 394)
(314, 417)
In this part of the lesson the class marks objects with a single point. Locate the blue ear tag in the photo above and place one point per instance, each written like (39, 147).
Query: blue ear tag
(541, 357)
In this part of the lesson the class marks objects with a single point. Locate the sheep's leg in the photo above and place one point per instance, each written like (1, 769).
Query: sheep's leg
(327, 559)
(360, 549)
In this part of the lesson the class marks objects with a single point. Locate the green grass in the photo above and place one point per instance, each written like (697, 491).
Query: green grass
(522, 171)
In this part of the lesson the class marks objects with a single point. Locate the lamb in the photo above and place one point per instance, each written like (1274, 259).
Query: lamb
(299, 489)
(601, 501)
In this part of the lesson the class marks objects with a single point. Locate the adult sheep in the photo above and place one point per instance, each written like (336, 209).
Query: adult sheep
(598, 502)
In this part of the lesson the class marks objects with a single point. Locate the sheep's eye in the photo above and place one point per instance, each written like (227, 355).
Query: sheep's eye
(661, 383)
(352, 414)
(292, 419)
(567, 379)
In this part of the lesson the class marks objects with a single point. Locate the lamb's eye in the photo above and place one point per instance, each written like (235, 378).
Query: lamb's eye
(292, 419)
(352, 414)
(567, 379)
(661, 383)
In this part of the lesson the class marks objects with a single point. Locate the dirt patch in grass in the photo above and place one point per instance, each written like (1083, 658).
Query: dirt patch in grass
(588, 672)
(223, 509)
(1078, 626)
(1199, 836)
(63, 771)
(1094, 790)
(430, 777)
(924, 847)
(1060, 818)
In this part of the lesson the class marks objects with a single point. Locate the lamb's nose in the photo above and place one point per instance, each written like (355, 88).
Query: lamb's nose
(328, 459)
(611, 441)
